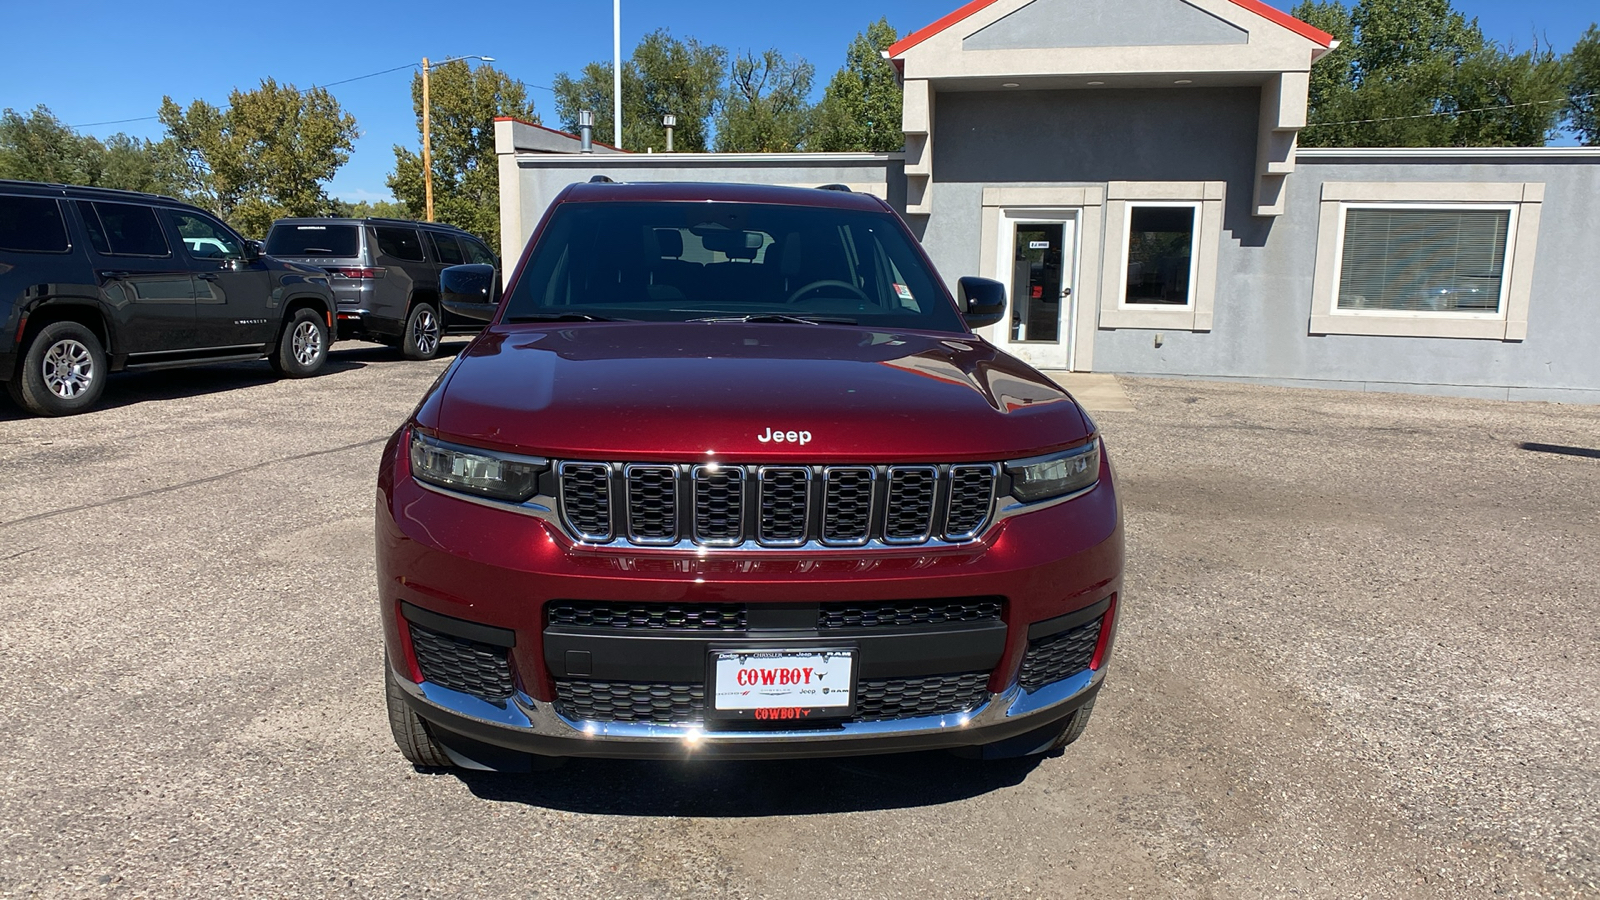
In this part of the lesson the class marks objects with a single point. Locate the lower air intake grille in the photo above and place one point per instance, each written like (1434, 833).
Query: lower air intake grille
(1058, 656)
(483, 670)
(632, 701)
(647, 616)
(878, 699)
(905, 613)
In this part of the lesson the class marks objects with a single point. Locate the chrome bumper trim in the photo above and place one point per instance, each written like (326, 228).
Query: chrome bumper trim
(537, 717)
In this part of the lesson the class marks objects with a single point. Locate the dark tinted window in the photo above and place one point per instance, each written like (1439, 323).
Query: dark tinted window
(478, 253)
(91, 224)
(206, 239)
(683, 261)
(399, 243)
(132, 230)
(291, 239)
(445, 249)
(32, 225)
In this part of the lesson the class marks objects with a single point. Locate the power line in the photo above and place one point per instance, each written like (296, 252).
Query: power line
(1455, 112)
(302, 91)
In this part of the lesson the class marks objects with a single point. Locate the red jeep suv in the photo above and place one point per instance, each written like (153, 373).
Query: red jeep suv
(728, 474)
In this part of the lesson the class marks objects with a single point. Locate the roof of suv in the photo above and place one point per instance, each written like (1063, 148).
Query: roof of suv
(720, 192)
(55, 190)
(373, 220)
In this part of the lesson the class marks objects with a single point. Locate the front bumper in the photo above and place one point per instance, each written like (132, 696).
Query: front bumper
(526, 725)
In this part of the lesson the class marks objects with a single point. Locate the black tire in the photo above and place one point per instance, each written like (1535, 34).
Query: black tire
(303, 346)
(1074, 728)
(410, 732)
(424, 330)
(63, 371)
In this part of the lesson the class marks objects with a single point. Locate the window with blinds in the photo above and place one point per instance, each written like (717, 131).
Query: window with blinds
(1423, 260)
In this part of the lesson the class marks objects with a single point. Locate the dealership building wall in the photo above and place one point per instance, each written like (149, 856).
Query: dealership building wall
(1010, 148)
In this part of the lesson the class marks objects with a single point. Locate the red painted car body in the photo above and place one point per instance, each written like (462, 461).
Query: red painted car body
(557, 633)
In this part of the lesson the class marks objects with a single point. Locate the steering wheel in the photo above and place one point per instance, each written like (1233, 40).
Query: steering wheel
(829, 282)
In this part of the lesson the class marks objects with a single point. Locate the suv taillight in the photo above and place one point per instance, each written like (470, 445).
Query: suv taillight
(357, 271)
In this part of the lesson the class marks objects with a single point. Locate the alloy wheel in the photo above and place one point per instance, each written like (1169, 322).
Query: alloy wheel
(427, 332)
(307, 343)
(68, 369)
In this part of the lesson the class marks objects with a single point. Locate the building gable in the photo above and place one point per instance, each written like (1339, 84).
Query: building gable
(1051, 24)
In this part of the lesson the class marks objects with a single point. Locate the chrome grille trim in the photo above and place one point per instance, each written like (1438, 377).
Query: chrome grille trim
(783, 527)
(841, 505)
(586, 500)
(908, 517)
(665, 506)
(719, 493)
(652, 512)
(969, 506)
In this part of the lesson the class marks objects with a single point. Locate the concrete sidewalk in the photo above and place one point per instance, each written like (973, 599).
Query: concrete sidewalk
(1097, 392)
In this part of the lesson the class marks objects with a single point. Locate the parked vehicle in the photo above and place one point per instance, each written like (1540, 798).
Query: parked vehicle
(385, 274)
(728, 473)
(95, 281)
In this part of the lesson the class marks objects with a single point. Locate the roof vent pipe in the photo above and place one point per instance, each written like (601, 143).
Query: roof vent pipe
(585, 131)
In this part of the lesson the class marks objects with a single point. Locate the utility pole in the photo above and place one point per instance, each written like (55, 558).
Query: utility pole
(616, 74)
(427, 131)
(427, 142)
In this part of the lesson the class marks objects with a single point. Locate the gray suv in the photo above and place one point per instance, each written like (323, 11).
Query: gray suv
(385, 275)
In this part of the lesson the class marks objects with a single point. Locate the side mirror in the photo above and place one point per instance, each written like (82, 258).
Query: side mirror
(471, 291)
(253, 250)
(982, 300)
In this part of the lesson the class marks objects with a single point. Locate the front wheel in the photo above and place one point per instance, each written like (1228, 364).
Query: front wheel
(410, 733)
(303, 348)
(63, 371)
(423, 330)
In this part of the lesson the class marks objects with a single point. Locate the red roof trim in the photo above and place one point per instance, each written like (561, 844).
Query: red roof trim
(1269, 13)
(922, 34)
(1273, 14)
(555, 131)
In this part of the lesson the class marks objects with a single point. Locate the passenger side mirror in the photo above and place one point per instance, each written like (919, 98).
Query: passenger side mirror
(982, 300)
(253, 251)
(470, 291)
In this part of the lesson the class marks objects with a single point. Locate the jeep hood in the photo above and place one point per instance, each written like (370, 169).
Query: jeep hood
(690, 391)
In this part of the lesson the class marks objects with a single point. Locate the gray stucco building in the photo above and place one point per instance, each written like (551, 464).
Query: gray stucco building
(1130, 169)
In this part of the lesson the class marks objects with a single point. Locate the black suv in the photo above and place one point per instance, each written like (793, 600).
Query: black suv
(385, 274)
(95, 281)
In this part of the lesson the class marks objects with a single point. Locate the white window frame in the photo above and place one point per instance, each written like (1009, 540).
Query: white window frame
(1122, 197)
(1510, 323)
(1127, 252)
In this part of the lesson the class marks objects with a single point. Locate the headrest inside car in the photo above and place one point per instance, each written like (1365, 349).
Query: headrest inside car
(670, 241)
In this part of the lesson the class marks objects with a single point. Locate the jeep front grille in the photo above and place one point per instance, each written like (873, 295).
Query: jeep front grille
(708, 505)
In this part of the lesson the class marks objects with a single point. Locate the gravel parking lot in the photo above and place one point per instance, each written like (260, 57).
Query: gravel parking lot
(1359, 659)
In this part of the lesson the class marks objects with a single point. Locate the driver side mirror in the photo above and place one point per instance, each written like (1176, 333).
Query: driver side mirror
(253, 250)
(470, 291)
(982, 300)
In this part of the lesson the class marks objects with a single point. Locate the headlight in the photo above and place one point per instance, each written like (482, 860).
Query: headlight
(469, 470)
(1056, 475)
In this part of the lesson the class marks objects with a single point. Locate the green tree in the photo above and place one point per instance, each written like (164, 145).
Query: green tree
(466, 171)
(36, 146)
(369, 209)
(1583, 87)
(663, 75)
(860, 111)
(766, 109)
(269, 154)
(1417, 73)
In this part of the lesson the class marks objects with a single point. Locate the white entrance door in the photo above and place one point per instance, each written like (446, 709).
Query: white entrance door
(1038, 264)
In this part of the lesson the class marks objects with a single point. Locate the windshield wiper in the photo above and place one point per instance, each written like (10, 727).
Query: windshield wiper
(563, 317)
(781, 317)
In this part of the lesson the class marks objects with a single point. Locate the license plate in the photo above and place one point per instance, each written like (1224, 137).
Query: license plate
(783, 684)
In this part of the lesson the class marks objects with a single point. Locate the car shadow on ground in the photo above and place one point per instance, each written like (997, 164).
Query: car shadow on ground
(721, 788)
(130, 388)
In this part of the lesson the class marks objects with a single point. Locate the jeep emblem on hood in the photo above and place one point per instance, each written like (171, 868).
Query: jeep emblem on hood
(780, 437)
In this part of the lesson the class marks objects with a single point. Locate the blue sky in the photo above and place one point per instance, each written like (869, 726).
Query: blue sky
(126, 56)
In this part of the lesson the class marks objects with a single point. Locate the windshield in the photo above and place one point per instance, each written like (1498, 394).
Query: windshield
(720, 261)
(289, 239)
